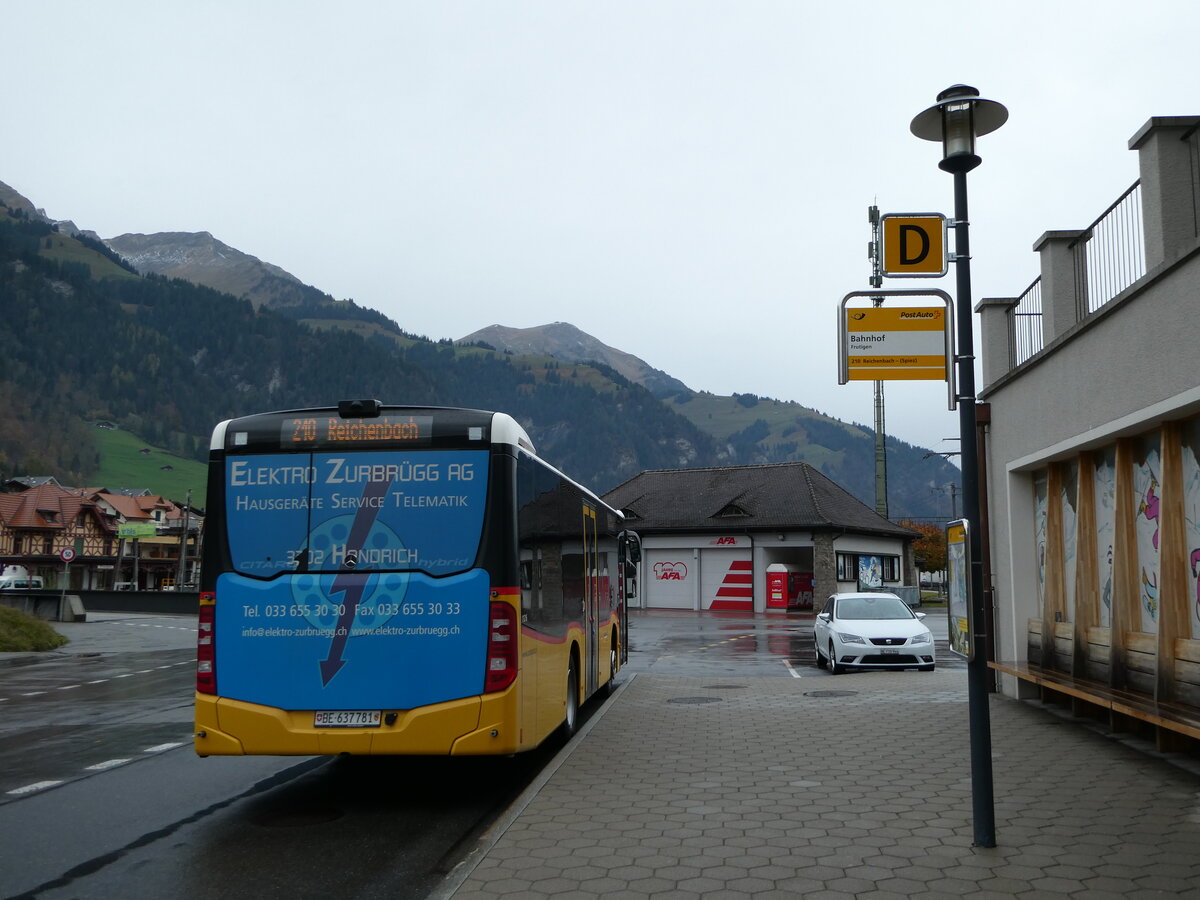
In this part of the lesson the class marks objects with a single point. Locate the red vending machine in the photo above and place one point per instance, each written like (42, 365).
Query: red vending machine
(800, 590)
(777, 586)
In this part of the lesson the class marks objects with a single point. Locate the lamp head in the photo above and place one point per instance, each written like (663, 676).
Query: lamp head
(959, 116)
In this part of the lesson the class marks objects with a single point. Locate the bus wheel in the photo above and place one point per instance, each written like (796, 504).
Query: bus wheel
(613, 664)
(571, 720)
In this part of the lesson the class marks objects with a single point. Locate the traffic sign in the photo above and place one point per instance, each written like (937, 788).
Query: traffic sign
(914, 245)
(66, 554)
(907, 344)
(883, 343)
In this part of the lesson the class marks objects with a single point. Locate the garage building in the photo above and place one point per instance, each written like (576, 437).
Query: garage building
(758, 538)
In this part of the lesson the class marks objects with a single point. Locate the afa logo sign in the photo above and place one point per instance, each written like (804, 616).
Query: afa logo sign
(670, 571)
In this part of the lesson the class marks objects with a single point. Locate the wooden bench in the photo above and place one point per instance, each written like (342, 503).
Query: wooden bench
(1170, 720)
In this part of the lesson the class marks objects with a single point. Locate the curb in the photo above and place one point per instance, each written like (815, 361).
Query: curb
(463, 870)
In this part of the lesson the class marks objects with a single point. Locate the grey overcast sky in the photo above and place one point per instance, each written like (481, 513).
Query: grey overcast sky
(687, 181)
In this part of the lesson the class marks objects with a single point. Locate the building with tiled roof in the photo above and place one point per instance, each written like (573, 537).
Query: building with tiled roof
(711, 537)
(38, 524)
(40, 519)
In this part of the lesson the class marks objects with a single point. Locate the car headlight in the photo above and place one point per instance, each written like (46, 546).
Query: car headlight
(925, 638)
(849, 638)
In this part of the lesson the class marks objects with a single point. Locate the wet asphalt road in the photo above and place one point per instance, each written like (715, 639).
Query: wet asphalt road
(736, 645)
(102, 796)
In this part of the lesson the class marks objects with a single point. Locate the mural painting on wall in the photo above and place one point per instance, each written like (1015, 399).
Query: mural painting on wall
(1191, 513)
(1106, 517)
(1040, 493)
(870, 572)
(1070, 487)
(1146, 467)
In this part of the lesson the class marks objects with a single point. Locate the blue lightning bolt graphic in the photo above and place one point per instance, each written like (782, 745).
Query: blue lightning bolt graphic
(349, 583)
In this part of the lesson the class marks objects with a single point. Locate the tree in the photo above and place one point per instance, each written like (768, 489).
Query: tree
(930, 546)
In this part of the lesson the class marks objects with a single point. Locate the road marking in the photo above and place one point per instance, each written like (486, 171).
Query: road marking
(71, 687)
(107, 764)
(788, 664)
(159, 748)
(36, 786)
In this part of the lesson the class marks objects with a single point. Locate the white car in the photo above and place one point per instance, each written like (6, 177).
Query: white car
(875, 630)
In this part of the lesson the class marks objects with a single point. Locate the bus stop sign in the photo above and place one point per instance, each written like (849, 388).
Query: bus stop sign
(914, 245)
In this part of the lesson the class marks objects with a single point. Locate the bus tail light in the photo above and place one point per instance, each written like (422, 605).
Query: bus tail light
(206, 651)
(502, 648)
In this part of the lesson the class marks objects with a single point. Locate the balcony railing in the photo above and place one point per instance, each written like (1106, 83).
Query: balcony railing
(1193, 141)
(1111, 253)
(1025, 324)
(1109, 256)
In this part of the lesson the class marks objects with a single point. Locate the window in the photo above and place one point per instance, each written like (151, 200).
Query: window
(848, 566)
(891, 568)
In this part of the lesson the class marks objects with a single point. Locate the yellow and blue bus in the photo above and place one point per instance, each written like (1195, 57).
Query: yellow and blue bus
(400, 580)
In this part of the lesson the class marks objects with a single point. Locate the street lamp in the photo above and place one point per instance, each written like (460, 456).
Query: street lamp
(959, 116)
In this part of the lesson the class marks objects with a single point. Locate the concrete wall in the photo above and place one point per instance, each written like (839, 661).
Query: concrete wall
(1121, 371)
(52, 606)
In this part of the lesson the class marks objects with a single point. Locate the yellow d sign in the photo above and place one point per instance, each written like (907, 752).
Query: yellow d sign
(914, 245)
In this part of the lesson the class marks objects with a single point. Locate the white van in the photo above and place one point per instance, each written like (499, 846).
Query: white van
(21, 583)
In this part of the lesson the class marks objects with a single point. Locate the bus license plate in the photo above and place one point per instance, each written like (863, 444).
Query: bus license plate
(346, 718)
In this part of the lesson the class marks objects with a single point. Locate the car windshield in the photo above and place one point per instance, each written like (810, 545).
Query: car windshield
(882, 607)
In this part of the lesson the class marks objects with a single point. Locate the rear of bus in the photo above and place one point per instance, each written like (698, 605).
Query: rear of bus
(354, 597)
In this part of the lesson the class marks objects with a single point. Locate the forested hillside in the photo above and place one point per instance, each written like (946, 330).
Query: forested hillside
(83, 340)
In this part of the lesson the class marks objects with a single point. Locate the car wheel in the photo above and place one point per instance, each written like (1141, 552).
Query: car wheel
(834, 666)
(821, 662)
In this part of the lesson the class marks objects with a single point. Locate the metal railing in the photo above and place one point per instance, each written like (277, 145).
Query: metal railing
(1193, 141)
(1025, 325)
(1111, 253)
(1109, 256)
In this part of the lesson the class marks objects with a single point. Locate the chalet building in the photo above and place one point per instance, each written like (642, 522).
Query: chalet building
(1092, 454)
(40, 522)
(115, 538)
(758, 538)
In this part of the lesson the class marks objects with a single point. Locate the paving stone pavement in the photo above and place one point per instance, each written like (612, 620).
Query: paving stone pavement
(857, 787)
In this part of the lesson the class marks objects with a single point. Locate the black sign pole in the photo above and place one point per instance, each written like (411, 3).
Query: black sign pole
(977, 695)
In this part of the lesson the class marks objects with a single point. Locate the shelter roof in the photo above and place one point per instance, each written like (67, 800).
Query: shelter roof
(768, 497)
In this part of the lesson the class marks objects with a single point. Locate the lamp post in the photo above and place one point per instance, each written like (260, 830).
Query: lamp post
(958, 117)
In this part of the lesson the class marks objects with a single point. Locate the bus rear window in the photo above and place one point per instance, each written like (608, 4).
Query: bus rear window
(372, 511)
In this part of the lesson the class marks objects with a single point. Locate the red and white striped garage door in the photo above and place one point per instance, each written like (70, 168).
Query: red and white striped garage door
(726, 580)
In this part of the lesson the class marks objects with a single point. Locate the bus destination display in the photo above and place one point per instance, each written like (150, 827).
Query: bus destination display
(332, 431)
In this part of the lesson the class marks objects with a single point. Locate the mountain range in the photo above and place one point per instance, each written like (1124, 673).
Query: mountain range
(165, 334)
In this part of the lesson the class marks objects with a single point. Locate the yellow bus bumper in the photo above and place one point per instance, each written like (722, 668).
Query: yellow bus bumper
(472, 726)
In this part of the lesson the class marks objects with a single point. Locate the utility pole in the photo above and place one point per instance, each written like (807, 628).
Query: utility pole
(881, 499)
(181, 573)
